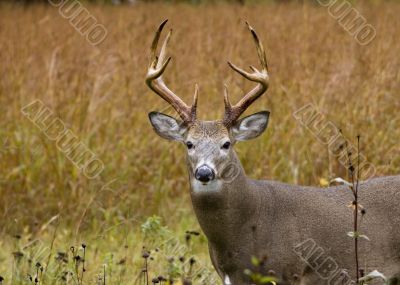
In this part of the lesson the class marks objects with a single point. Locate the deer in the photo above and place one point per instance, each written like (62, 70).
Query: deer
(299, 232)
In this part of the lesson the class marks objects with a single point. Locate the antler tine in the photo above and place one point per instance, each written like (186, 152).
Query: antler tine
(226, 98)
(154, 44)
(232, 113)
(156, 83)
(194, 104)
(260, 48)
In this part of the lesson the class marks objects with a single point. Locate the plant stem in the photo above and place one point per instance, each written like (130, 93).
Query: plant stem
(104, 275)
(356, 212)
(147, 273)
(355, 204)
(356, 237)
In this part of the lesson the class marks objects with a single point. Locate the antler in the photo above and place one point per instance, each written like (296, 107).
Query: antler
(232, 113)
(156, 83)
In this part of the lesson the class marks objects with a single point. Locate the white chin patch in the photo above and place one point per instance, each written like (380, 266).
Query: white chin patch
(200, 187)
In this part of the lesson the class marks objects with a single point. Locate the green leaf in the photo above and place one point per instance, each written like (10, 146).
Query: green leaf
(255, 261)
(267, 279)
(357, 235)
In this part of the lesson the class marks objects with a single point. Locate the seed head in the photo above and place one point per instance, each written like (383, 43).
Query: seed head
(18, 255)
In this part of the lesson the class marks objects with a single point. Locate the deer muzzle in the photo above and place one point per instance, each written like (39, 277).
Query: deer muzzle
(204, 173)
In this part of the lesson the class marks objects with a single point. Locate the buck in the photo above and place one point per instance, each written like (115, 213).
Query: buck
(301, 230)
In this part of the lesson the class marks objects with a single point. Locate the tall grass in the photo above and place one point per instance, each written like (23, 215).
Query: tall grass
(99, 92)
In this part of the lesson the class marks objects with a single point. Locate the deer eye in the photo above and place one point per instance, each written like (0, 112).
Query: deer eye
(189, 145)
(226, 145)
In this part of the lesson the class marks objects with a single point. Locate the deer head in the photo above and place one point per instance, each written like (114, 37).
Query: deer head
(209, 143)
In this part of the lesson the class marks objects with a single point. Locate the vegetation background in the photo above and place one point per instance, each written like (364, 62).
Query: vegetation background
(47, 206)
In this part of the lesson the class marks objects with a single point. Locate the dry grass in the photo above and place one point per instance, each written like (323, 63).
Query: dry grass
(99, 92)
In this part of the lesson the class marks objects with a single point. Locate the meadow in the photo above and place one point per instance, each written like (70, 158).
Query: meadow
(59, 226)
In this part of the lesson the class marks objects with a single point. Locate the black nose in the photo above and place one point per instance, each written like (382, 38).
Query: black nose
(204, 173)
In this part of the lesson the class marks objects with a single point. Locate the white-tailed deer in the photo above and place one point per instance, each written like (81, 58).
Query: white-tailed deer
(301, 230)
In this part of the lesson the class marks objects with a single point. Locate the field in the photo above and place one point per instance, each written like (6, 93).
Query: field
(49, 208)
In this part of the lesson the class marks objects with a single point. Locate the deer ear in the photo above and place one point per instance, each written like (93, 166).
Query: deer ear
(251, 126)
(167, 127)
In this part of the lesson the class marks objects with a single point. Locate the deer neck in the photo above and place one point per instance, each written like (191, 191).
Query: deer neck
(224, 203)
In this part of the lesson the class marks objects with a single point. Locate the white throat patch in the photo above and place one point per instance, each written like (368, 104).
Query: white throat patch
(212, 186)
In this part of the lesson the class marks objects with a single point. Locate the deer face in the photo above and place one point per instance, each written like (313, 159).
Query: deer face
(209, 144)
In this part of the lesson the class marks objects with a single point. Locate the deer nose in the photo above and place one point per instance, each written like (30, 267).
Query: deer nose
(204, 173)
